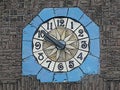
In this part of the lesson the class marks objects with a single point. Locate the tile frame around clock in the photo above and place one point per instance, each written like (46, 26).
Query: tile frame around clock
(74, 13)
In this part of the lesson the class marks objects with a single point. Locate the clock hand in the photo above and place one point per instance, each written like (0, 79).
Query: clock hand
(59, 44)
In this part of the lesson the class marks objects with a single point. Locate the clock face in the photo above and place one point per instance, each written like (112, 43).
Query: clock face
(60, 44)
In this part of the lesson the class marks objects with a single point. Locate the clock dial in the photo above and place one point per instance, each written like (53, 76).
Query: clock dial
(60, 44)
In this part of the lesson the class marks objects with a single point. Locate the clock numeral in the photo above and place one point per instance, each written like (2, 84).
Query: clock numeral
(71, 25)
(81, 33)
(40, 35)
(60, 22)
(40, 57)
(37, 45)
(71, 64)
(49, 62)
(60, 66)
(83, 44)
(49, 26)
(80, 56)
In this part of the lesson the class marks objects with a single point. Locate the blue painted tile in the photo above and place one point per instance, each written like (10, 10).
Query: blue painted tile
(60, 77)
(95, 47)
(26, 49)
(28, 32)
(85, 20)
(45, 76)
(91, 65)
(60, 11)
(46, 14)
(36, 21)
(93, 30)
(30, 66)
(75, 75)
(75, 13)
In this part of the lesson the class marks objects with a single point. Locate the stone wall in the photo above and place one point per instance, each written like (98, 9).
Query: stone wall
(16, 14)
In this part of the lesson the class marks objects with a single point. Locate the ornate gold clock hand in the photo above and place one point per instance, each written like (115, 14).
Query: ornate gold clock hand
(58, 44)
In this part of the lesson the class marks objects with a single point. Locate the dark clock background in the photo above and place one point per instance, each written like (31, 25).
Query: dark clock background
(16, 14)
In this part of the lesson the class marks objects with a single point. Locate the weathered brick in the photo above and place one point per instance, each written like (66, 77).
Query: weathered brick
(16, 14)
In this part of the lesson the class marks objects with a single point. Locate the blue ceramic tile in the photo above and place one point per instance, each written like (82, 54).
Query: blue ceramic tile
(60, 11)
(46, 14)
(30, 66)
(95, 47)
(75, 13)
(85, 20)
(45, 76)
(36, 22)
(91, 65)
(26, 49)
(60, 77)
(75, 75)
(93, 30)
(28, 32)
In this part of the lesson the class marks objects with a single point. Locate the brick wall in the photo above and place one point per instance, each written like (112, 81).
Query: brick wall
(16, 14)
(94, 82)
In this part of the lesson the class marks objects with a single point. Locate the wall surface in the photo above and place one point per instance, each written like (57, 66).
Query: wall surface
(16, 14)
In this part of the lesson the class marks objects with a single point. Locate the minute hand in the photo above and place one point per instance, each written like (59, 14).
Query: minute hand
(53, 40)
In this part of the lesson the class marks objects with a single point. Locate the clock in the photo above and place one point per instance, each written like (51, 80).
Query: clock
(60, 45)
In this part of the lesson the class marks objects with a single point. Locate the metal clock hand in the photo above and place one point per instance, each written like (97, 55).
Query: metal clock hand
(59, 44)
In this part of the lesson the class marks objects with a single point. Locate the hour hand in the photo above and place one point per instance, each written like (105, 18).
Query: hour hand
(57, 43)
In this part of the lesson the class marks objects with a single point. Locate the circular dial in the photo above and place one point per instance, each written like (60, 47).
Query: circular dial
(60, 44)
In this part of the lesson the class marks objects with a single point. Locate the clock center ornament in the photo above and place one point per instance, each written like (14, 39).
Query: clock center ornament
(69, 47)
(61, 45)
